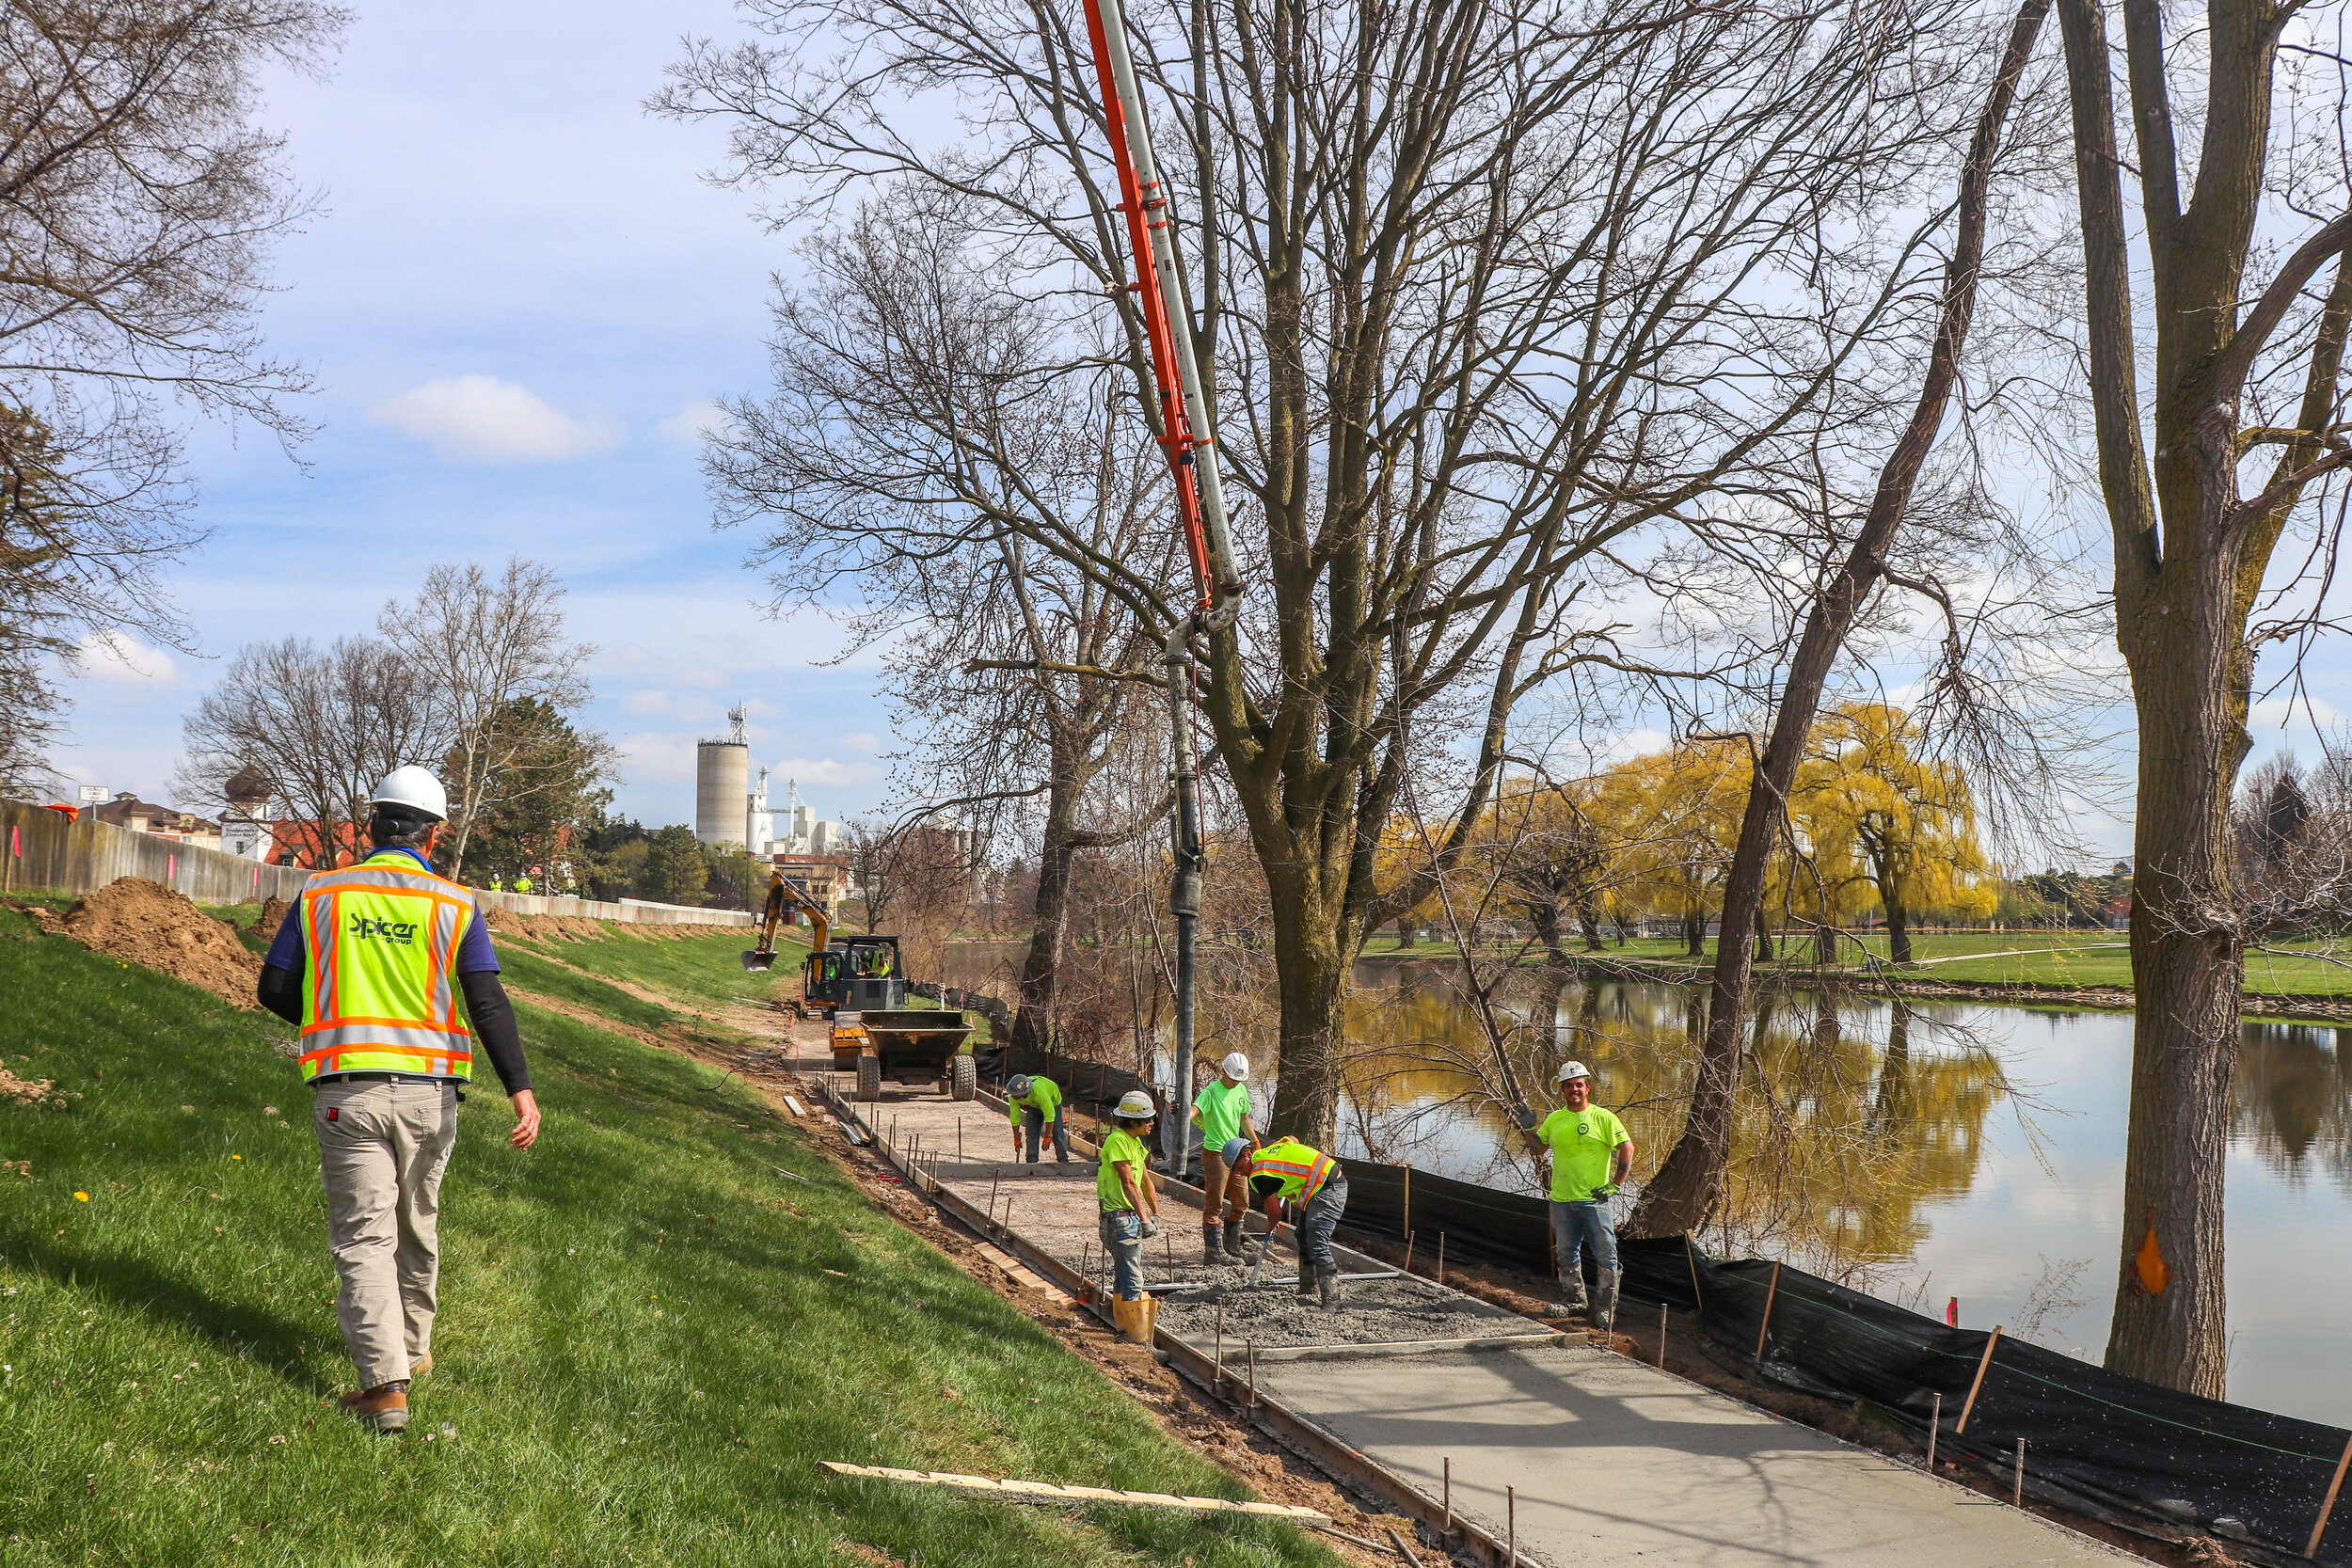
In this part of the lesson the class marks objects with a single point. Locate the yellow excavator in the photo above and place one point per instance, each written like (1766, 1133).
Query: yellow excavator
(786, 904)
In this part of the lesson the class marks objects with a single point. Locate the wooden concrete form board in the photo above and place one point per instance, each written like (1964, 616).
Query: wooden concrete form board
(1615, 1462)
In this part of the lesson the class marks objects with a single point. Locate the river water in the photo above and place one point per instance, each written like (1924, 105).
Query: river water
(1958, 1151)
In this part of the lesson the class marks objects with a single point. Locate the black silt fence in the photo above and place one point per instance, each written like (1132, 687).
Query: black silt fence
(2096, 1441)
(1479, 1223)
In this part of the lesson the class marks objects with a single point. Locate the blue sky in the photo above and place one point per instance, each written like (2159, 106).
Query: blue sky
(519, 294)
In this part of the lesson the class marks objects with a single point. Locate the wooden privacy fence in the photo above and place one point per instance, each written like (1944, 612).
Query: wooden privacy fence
(41, 849)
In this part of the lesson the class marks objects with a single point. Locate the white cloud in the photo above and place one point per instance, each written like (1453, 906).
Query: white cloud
(828, 771)
(2298, 711)
(861, 742)
(114, 656)
(695, 423)
(490, 420)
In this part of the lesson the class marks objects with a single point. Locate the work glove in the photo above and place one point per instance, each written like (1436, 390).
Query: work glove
(1603, 1193)
(1148, 1230)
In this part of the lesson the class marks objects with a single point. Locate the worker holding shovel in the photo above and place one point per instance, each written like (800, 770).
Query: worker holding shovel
(1287, 1170)
(1130, 1211)
(1590, 1153)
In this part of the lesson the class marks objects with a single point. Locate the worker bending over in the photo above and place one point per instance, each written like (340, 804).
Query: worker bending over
(1590, 1153)
(1130, 1211)
(1221, 1110)
(1034, 1103)
(1287, 1170)
(369, 965)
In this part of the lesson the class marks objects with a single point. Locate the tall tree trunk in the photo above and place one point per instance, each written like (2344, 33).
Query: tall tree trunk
(1588, 922)
(1041, 972)
(1763, 943)
(2190, 562)
(1545, 916)
(1679, 1197)
(1897, 927)
(1404, 930)
(1311, 962)
(1694, 934)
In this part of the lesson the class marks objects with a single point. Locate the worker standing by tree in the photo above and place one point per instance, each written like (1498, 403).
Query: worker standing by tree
(1035, 1101)
(1287, 1170)
(1590, 1153)
(1221, 1110)
(1130, 1211)
(366, 966)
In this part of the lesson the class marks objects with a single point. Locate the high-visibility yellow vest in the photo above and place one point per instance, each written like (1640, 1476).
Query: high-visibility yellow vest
(1300, 1169)
(378, 994)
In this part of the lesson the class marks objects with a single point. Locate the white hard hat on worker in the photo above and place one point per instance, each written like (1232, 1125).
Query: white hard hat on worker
(415, 789)
(1236, 1067)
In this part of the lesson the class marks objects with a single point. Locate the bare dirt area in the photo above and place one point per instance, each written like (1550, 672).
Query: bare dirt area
(146, 924)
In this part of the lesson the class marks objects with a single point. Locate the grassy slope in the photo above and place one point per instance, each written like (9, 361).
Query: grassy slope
(648, 1336)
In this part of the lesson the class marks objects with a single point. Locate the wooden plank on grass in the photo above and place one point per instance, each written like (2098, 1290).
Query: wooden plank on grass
(1044, 1491)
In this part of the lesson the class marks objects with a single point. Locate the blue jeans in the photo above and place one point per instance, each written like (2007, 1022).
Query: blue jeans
(1318, 1219)
(1576, 1226)
(1033, 1123)
(1122, 1238)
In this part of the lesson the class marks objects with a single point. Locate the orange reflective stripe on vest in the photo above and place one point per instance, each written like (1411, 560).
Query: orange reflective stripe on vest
(1300, 1169)
(379, 995)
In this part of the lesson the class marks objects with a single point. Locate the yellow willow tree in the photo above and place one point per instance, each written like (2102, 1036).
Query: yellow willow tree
(1677, 815)
(1885, 819)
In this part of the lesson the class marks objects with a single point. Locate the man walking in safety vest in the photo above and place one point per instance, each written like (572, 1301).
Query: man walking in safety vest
(1590, 1152)
(369, 966)
(1287, 1170)
(1036, 1103)
(1130, 1210)
(1221, 1110)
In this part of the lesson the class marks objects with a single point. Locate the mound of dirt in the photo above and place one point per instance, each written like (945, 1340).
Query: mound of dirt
(273, 912)
(146, 924)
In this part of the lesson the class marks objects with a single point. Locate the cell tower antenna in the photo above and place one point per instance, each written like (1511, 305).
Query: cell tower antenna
(734, 722)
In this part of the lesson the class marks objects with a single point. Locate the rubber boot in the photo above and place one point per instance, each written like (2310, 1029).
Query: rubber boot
(1128, 1317)
(1151, 1319)
(1572, 1295)
(1306, 1277)
(1212, 1251)
(1328, 1287)
(1237, 1251)
(1605, 1301)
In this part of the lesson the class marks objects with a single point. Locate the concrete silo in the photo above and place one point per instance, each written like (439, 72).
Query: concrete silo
(722, 771)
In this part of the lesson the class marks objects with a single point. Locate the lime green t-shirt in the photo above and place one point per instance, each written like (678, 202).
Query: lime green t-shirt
(1222, 1111)
(1583, 1147)
(1120, 1146)
(1044, 1096)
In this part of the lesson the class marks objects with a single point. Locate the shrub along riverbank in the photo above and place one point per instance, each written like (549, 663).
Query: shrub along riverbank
(654, 1323)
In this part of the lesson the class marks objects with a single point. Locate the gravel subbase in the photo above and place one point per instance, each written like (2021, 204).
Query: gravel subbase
(1371, 1311)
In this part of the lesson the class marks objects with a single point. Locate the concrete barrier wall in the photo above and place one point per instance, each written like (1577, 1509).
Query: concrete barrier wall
(42, 849)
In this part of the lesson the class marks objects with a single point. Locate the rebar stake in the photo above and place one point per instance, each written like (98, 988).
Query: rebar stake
(1511, 1525)
(1440, 1257)
(1661, 1336)
(1935, 1427)
(1449, 1498)
(1219, 1362)
(1253, 1374)
(2018, 1497)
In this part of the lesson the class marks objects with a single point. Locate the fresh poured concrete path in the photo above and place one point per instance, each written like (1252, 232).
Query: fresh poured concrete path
(1613, 1461)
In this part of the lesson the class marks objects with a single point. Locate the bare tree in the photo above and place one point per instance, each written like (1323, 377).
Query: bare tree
(323, 725)
(1488, 287)
(137, 206)
(482, 646)
(2192, 552)
(1679, 1198)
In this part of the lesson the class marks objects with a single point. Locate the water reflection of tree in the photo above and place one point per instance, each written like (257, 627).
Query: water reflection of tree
(1840, 1145)
(2291, 1099)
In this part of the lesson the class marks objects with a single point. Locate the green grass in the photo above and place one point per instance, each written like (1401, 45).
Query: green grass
(2005, 957)
(525, 968)
(705, 970)
(648, 1335)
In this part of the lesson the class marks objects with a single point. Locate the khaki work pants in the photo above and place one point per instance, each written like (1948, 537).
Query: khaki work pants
(382, 1148)
(1222, 1188)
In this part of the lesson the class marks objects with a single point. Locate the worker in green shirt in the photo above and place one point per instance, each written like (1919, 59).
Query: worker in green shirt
(1035, 1102)
(1130, 1211)
(1221, 1110)
(1590, 1154)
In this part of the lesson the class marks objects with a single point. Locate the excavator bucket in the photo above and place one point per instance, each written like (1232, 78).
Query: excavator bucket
(759, 959)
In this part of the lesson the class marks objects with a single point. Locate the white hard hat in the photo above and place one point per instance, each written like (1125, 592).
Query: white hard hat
(1572, 1069)
(1018, 1086)
(1135, 1105)
(1236, 1066)
(413, 787)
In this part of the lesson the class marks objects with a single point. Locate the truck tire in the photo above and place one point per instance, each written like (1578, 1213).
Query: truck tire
(869, 1078)
(964, 1077)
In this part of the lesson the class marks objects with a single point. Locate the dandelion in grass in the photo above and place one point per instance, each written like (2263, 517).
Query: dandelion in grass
(81, 1197)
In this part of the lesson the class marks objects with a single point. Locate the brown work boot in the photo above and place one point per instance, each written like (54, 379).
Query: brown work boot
(382, 1409)
(420, 1366)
